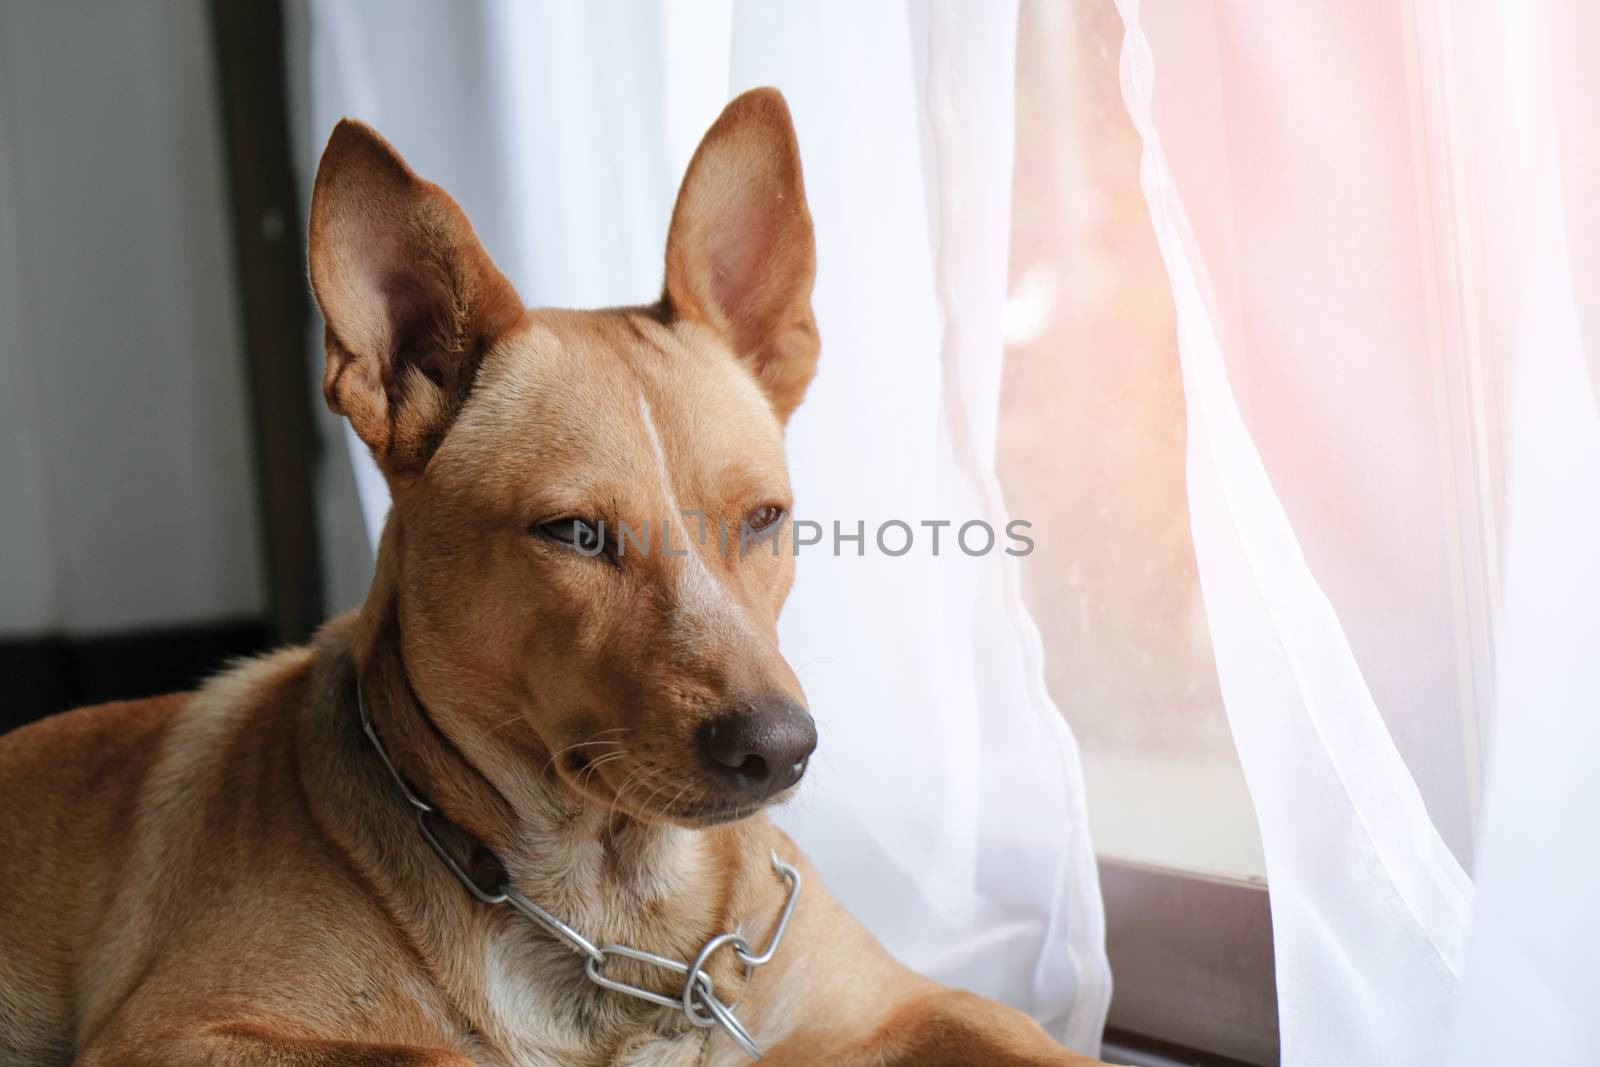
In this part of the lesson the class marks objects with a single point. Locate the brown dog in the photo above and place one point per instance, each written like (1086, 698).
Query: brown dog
(235, 877)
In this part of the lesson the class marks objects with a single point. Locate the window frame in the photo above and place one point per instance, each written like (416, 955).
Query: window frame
(1192, 966)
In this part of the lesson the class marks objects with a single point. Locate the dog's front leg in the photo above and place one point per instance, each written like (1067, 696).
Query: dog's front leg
(249, 1045)
(834, 998)
(940, 1028)
(954, 1028)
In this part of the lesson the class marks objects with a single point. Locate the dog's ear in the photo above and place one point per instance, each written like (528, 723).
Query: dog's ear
(740, 254)
(409, 296)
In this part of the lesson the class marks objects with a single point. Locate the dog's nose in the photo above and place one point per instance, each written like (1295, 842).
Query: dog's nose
(761, 748)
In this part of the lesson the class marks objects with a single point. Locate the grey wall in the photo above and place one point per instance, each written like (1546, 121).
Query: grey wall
(127, 488)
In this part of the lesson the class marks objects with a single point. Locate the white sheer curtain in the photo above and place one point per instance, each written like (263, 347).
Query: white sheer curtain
(1373, 216)
(946, 806)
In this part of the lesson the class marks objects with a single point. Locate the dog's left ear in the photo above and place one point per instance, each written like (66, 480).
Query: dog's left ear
(740, 253)
(410, 298)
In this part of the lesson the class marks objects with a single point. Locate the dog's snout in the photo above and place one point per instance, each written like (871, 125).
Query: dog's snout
(759, 749)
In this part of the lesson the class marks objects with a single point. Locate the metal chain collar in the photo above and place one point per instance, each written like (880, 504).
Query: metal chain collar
(698, 1002)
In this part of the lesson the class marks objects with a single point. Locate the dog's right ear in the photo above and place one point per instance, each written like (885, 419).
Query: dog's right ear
(410, 298)
(741, 257)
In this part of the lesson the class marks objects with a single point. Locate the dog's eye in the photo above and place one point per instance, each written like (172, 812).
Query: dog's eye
(587, 537)
(764, 518)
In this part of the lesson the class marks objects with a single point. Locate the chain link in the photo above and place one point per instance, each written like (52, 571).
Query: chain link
(697, 1000)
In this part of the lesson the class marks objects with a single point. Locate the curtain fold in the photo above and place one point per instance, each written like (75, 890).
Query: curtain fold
(1369, 907)
(1393, 453)
(1533, 961)
(945, 807)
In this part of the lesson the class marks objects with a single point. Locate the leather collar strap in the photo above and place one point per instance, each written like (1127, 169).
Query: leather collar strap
(698, 1002)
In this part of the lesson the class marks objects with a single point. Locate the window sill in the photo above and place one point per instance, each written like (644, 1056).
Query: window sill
(1192, 968)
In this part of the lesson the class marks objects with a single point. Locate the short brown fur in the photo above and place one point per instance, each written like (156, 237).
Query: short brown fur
(230, 877)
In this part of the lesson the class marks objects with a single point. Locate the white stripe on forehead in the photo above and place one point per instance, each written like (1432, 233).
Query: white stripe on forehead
(661, 454)
(700, 596)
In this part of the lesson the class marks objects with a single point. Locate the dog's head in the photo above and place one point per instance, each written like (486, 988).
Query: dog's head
(588, 538)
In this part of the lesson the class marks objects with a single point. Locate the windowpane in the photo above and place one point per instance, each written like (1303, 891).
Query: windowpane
(1091, 451)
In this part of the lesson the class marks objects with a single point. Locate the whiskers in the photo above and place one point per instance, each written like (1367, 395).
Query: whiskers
(595, 764)
(647, 790)
(649, 785)
(502, 724)
(641, 776)
(595, 740)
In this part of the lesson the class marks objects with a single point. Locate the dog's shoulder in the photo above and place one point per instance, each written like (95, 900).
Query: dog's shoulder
(80, 748)
(90, 747)
(66, 786)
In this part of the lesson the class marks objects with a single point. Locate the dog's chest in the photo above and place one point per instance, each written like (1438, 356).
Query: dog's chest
(538, 1009)
(535, 1005)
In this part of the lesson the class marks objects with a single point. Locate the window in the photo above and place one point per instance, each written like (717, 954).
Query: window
(1091, 451)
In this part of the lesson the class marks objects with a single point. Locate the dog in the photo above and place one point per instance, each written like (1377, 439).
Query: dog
(511, 810)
